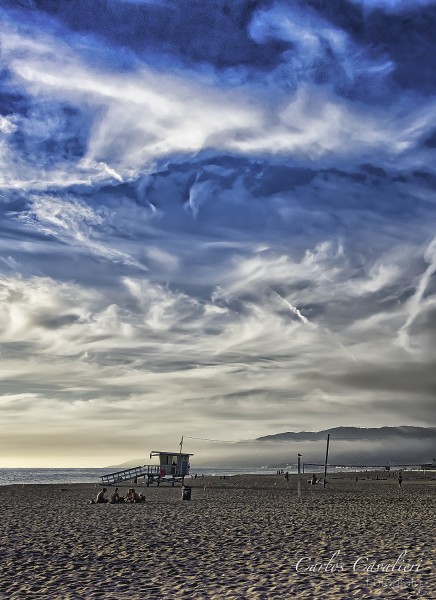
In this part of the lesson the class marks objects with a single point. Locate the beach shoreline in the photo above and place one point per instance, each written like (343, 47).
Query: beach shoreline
(240, 537)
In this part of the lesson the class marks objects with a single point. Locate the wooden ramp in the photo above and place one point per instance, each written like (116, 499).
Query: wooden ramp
(146, 471)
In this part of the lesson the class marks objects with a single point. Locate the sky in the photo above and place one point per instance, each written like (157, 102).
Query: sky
(217, 221)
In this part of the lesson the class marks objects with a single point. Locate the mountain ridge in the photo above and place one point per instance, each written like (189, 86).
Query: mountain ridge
(353, 433)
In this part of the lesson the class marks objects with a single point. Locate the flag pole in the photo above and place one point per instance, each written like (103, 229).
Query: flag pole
(180, 457)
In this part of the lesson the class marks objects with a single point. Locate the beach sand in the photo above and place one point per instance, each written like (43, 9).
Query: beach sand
(240, 537)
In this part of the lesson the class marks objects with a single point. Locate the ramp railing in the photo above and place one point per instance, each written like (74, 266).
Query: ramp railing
(126, 474)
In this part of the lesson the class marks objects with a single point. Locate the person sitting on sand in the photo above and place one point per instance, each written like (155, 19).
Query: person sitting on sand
(101, 498)
(133, 497)
(115, 497)
(136, 497)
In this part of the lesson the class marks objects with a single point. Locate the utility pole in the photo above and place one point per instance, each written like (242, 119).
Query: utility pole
(299, 477)
(326, 459)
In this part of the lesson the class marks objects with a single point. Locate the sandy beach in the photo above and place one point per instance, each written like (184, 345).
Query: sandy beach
(240, 537)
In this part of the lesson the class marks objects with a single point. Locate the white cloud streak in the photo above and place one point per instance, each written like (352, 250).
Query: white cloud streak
(293, 309)
(142, 117)
(415, 305)
(72, 221)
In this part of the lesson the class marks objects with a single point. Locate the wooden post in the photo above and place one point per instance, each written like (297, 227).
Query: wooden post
(326, 459)
(299, 478)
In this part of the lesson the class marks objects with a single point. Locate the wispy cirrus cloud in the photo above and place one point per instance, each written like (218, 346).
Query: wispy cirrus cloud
(136, 118)
(72, 221)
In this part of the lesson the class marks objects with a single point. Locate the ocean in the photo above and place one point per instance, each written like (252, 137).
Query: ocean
(39, 476)
(44, 476)
(20, 476)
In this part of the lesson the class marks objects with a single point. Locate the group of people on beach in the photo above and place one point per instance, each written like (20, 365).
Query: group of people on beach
(132, 497)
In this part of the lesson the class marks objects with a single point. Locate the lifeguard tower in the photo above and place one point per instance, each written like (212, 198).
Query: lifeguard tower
(172, 464)
(173, 467)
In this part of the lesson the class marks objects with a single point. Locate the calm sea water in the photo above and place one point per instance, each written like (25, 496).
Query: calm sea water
(19, 476)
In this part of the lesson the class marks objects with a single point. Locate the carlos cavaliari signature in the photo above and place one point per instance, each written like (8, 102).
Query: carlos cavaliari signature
(362, 564)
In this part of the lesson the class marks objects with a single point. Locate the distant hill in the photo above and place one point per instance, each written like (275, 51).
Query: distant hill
(354, 433)
(135, 462)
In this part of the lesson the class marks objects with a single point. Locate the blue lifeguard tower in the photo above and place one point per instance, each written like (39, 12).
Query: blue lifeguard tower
(172, 464)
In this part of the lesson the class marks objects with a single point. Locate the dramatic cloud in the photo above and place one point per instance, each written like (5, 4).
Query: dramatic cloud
(217, 221)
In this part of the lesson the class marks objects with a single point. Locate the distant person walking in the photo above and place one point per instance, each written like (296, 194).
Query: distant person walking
(400, 478)
(287, 476)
